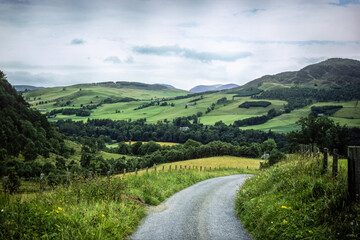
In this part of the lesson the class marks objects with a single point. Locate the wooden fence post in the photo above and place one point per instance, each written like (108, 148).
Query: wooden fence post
(354, 172)
(325, 162)
(314, 150)
(5, 183)
(124, 172)
(335, 163)
(67, 180)
(175, 167)
(169, 167)
(180, 167)
(302, 150)
(41, 182)
(136, 171)
(163, 167)
(200, 168)
(155, 169)
(204, 169)
(185, 166)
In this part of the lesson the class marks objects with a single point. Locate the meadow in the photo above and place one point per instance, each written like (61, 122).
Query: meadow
(98, 207)
(228, 111)
(294, 199)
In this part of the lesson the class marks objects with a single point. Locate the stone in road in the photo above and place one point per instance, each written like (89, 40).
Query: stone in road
(205, 210)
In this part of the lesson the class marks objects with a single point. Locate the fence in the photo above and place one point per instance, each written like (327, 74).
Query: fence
(353, 159)
(43, 183)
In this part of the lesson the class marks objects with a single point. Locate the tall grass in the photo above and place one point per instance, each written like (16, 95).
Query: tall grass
(294, 200)
(96, 208)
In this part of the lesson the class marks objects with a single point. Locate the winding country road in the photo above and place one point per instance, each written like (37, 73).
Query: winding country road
(203, 211)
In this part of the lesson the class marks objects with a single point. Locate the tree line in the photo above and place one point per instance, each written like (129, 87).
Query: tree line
(164, 131)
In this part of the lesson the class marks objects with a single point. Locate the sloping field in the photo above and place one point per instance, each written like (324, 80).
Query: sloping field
(213, 162)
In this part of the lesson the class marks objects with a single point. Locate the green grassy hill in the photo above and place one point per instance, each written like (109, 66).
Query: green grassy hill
(329, 73)
(127, 100)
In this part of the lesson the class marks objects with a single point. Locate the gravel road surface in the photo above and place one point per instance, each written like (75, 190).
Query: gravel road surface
(203, 211)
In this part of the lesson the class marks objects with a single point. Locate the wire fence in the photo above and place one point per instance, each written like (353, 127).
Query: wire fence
(51, 181)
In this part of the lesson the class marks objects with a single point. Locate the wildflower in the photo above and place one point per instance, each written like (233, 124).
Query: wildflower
(60, 208)
(2, 210)
(311, 232)
(284, 221)
(102, 215)
(56, 211)
(283, 207)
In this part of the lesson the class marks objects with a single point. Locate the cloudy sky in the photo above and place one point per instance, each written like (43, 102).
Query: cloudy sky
(182, 43)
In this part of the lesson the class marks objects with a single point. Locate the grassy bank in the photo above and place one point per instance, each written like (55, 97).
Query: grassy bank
(93, 208)
(293, 200)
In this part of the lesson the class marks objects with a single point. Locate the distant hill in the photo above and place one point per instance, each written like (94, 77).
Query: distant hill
(334, 72)
(21, 88)
(131, 85)
(165, 85)
(218, 87)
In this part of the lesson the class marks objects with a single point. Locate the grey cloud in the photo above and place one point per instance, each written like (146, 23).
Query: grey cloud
(190, 54)
(130, 60)
(77, 41)
(345, 2)
(26, 78)
(15, 1)
(113, 59)
(188, 25)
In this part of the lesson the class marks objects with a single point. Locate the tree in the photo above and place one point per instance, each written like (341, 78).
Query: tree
(268, 145)
(321, 131)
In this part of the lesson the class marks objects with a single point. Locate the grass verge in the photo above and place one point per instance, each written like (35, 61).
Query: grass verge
(96, 208)
(293, 200)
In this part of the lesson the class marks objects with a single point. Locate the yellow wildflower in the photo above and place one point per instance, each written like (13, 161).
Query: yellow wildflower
(102, 215)
(283, 207)
(284, 221)
(60, 208)
(56, 211)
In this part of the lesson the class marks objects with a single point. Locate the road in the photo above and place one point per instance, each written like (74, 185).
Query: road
(205, 210)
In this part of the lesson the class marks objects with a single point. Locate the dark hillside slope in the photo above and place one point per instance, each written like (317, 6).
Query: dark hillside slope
(334, 72)
(23, 130)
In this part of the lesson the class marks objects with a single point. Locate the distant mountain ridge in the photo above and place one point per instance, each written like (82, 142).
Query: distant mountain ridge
(21, 88)
(165, 85)
(334, 72)
(218, 87)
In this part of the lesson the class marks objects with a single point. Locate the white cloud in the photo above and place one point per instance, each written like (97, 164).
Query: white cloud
(169, 41)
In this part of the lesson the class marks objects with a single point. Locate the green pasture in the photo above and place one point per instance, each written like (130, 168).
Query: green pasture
(227, 112)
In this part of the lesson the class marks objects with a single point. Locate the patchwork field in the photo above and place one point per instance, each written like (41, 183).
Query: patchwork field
(227, 111)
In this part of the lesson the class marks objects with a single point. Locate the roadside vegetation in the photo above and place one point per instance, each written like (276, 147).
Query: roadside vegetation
(294, 200)
(94, 208)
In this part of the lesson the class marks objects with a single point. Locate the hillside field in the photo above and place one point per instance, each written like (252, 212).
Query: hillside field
(227, 111)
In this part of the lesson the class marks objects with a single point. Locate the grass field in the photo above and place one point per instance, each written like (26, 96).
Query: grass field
(295, 199)
(223, 162)
(227, 112)
(94, 208)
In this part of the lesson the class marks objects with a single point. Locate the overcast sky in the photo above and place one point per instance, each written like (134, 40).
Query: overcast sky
(183, 43)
